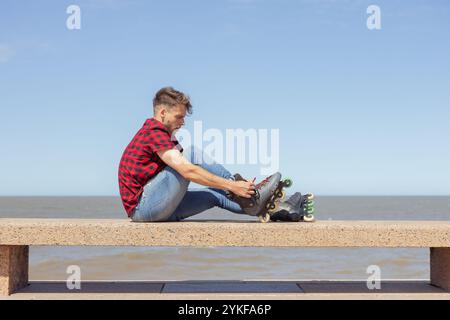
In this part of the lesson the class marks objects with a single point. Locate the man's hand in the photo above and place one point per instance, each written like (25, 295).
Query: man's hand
(243, 188)
(189, 171)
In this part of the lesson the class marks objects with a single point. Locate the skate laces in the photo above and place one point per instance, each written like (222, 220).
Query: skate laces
(262, 183)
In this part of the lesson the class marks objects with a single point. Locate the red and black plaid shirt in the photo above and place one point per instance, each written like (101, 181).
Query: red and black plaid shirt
(140, 162)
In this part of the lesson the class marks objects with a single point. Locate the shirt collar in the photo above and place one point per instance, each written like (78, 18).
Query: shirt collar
(153, 123)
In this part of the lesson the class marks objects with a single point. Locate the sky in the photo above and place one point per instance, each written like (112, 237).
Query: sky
(358, 111)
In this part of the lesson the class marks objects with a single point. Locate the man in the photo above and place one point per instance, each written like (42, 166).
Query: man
(155, 171)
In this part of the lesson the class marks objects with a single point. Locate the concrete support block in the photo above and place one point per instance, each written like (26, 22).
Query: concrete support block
(440, 267)
(13, 268)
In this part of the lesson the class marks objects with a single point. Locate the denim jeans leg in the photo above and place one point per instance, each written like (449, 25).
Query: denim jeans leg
(165, 197)
(198, 157)
(199, 200)
(161, 196)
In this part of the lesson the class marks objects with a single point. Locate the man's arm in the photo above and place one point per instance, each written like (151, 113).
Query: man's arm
(197, 174)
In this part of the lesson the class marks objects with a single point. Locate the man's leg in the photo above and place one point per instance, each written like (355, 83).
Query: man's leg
(199, 200)
(160, 196)
(199, 158)
(165, 198)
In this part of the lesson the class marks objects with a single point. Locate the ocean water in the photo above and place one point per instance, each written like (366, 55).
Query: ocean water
(166, 263)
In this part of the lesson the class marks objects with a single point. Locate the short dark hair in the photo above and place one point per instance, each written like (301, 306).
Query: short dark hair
(170, 97)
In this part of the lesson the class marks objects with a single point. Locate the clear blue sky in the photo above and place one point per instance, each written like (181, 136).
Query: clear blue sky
(360, 112)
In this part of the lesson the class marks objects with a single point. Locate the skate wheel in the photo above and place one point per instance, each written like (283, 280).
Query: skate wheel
(264, 218)
(309, 203)
(309, 218)
(287, 182)
(309, 196)
(273, 207)
(281, 195)
(269, 205)
(309, 209)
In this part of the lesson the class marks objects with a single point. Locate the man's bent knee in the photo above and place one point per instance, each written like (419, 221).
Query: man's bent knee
(196, 156)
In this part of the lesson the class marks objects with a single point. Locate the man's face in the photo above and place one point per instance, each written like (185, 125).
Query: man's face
(173, 118)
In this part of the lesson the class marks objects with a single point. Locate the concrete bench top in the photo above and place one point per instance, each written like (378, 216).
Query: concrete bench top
(331, 233)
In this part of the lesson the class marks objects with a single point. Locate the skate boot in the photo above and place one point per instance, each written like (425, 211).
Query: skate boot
(265, 200)
(296, 209)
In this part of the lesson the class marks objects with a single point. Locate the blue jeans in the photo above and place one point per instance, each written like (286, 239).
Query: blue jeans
(166, 196)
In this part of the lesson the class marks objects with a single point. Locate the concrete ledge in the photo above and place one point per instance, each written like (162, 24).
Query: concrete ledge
(17, 234)
(81, 232)
(230, 290)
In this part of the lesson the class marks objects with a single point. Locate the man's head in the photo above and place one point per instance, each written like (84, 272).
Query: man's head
(170, 107)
